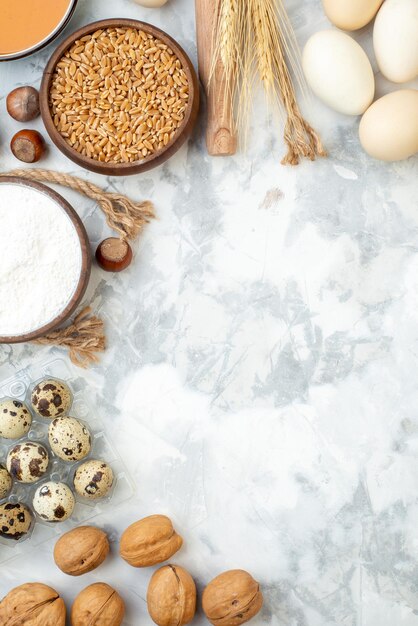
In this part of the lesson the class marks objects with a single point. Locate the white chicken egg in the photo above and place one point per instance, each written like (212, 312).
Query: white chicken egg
(389, 128)
(339, 72)
(395, 40)
(351, 14)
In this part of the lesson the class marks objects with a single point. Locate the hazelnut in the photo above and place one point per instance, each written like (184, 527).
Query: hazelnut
(149, 541)
(27, 146)
(113, 254)
(98, 605)
(232, 598)
(81, 550)
(34, 604)
(171, 596)
(23, 103)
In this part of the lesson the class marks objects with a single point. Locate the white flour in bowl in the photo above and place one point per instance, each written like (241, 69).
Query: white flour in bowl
(40, 259)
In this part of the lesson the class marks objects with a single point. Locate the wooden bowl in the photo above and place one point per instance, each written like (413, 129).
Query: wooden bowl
(85, 261)
(159, 156)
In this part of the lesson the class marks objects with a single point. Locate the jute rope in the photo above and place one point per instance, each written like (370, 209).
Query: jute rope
(301, 139)
(122, 214)
(85, 336)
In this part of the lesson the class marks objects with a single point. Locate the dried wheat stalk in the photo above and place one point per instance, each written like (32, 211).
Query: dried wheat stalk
(229, 32)
(301, 139)
(256, 37)
(226, 47)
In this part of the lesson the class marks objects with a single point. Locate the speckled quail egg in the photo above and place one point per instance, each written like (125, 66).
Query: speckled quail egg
(54, 502)
(27, 462)
(15, 520)
(93, 479)
(5, 482)
(15, 419)
(51, 398)
(69, 439)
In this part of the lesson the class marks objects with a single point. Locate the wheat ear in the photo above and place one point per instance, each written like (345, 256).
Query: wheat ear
(270, 43)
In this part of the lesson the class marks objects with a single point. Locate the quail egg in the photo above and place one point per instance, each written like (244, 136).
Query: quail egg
(15, 520)
(93, 479)
(27, 462)
(51, 398)
(69, 439)
(5, 482)
(15, 419)
(54, 502)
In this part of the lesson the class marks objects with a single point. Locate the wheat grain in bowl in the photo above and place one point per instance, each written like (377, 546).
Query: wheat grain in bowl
(118, 95)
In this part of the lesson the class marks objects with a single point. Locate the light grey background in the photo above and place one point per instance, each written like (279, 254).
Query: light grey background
(261, 374)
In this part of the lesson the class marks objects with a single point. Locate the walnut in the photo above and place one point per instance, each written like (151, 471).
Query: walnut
(171, 596)
(81, 550)
(98, 605)
(149, 541)
(232, 598)
(32, 604)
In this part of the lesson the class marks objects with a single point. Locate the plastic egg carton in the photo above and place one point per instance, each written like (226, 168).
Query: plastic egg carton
(19, 387)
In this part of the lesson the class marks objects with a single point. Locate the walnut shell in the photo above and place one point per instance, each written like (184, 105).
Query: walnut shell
(171, 596)
(32, 604)
(149, 541)
(232, 598)
(81, 550)
(98, 605)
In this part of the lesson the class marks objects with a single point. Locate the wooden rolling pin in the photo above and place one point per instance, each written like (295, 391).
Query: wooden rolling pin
(220, 135)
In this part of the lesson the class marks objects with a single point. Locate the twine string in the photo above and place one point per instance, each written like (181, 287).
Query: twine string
(123, 215)
(83, 337)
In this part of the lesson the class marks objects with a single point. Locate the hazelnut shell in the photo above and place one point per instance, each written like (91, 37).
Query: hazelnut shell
(98, 605)
(232, 598)
(23, 103)
(81, 550)
(113, 254)
(149, 541)
(171, 596)
(32, 604)
(27, 145)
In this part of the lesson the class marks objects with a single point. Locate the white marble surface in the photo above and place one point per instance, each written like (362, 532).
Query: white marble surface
(261, 376)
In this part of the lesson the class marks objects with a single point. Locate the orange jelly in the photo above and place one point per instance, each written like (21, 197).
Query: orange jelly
(26, 23)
